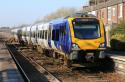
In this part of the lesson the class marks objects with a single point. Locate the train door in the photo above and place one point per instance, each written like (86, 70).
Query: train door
(66, 40)
(53, 40)
(49, 35)
(63, 37)
(36, 34)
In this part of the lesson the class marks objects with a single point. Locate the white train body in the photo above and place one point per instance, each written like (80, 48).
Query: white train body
(42, 37)
(24, 29)
(28, 34)
(14, 32)
(34, 34)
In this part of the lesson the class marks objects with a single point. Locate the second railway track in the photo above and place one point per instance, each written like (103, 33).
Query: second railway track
(119, 64)
(42, 70)
(29, 73)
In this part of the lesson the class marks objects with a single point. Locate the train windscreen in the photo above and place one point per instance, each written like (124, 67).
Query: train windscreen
(86, 28)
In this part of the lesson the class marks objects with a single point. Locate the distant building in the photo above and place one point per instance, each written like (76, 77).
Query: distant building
(111, 11)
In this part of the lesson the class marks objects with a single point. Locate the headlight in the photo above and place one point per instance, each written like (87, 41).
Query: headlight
(102, 45)
(75, 46)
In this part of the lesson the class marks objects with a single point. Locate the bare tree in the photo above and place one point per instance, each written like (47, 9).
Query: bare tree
(62, 12)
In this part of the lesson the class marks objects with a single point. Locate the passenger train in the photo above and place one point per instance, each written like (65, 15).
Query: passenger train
(75, 38)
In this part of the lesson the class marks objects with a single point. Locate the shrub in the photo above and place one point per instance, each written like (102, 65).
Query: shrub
(118, 36)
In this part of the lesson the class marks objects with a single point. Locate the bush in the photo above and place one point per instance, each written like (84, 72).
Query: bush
(118, 36)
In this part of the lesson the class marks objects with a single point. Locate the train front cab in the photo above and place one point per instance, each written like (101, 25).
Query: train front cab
(88, 39)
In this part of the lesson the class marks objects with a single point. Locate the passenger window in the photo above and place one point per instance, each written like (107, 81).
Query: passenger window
(31, 34)
(49, 32)
(63, 30)
(46, 34)
(38, 34)
(42, 34)
(34, 34)
(57, 35)
(53, 34)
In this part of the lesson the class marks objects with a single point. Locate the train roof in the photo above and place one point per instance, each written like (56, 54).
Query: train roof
(43, 26)
(57, 21)
(77, 15)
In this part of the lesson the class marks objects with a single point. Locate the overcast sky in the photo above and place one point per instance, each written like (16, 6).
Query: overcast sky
(17, 12)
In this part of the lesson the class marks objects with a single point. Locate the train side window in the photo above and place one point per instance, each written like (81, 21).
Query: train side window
(31, 34)
(28, 34)
(40, 34)
(46, 34)
(34, 34)
(49, 32)
(43, 34)
(57, 35)
(37, 34)
(63, 29)
(53, 34)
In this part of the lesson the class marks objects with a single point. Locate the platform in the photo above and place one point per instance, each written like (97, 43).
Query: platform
(117, 55)
(122, 58)
(8, 69)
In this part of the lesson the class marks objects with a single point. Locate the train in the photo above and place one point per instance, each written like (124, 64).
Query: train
(74, 39)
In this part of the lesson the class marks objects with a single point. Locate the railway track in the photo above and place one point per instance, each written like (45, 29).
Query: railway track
(90, 74)
(119, 64)
(24, 75)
